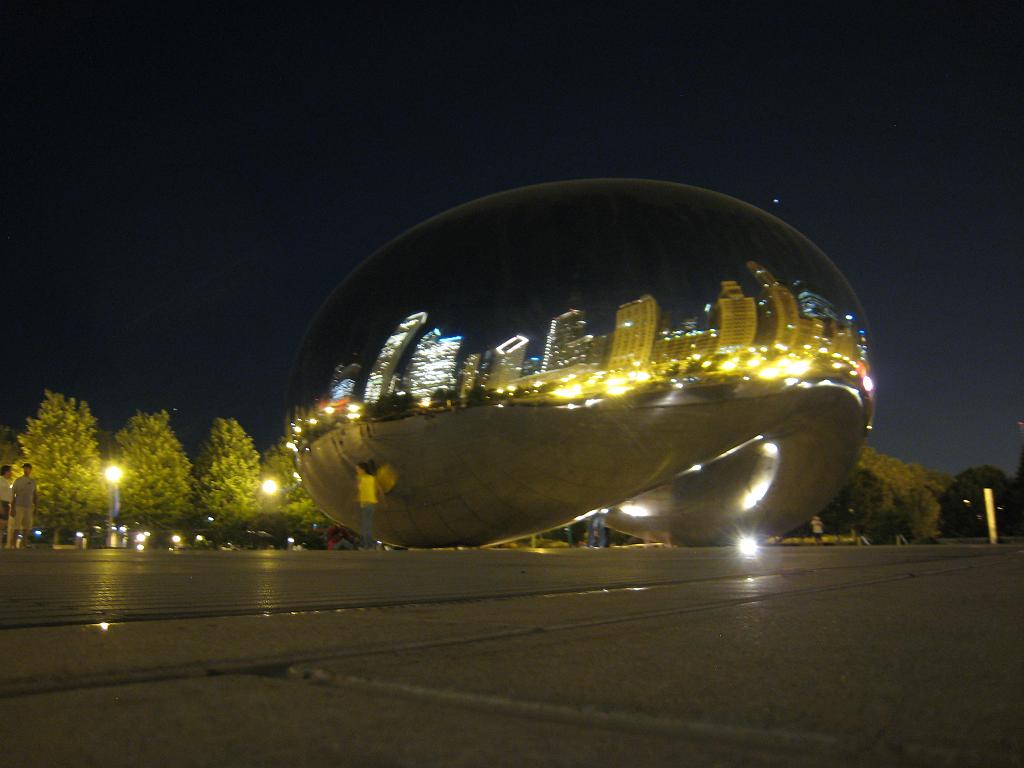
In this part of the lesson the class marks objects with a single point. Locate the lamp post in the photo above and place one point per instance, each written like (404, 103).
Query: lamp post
(113, 475)
(270, 489)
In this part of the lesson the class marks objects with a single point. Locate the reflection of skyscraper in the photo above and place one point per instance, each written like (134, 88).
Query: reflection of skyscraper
(531, 366)
(382, 374)
(778, 313)
(469, 374)
(636, 324)
(814, 305)
(343, 381)
(734, 316)
(597, 352)
(560, 347)
(508, 361)
(433, 364)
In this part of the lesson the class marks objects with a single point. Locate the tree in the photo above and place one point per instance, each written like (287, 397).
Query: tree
(156, 487)
(228, 476)
(963, 503)
(293, 504)
(60, 443)
(886, 497)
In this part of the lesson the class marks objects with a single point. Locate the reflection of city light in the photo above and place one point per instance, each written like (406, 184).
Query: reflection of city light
(634, 510)
(424, 402)
(567, 392)
(695, 468)
(642, 376)
(769, 373)
(292, 446)
(329, 409)
(728, 365)
(771, 449)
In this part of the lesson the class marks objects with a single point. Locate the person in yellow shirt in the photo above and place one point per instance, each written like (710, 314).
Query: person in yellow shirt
(366, 494)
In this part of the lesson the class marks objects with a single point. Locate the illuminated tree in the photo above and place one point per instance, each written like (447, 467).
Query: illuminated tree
(228, 476)
(886, 497)
(157, 483)
(60, 443)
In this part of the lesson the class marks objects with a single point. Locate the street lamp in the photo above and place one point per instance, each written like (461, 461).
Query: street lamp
(113, 475)
(270, 487)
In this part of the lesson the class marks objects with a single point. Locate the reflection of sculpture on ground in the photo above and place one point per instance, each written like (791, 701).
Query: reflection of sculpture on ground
(451, 356)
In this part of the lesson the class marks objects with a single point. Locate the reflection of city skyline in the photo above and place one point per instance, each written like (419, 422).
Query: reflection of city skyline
(742, 332)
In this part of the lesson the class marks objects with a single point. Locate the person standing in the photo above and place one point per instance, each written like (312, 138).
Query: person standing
(596, 532)
(24, 492)
(366, 494)
(817, 528)
(6, 497)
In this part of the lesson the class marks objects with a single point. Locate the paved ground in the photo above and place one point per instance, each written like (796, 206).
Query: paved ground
(796, 657)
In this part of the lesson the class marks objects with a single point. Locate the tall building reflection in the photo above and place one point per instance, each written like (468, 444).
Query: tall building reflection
(381, 381)
(432, 366)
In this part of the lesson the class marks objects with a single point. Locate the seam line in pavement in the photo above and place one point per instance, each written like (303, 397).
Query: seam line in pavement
(772, 740)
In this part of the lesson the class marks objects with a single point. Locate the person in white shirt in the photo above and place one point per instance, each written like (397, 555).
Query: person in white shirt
(6, 500)
(24, 490)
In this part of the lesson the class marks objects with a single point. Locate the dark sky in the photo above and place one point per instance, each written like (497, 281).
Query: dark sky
(181, 190)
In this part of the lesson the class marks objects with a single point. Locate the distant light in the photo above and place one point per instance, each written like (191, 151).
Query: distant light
(269, 486)
(747, 546)
(38, 533)
(775, 200)
(869, 384)
(123, 529)
(209, 518)
(140, 537)
(199, 537)
(770, 449)
(104, 626)
(140, 547)
(424, 402)
(329, 409)
(292, 446)
(176, 539)
(695, 468)
(291, 540)
(113, 474)
(148, 534)
(79, 535)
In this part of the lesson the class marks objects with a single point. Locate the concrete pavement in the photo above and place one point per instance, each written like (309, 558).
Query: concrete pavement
(799, 656)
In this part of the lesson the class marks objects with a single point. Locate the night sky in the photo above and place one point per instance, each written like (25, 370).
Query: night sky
(182, 190)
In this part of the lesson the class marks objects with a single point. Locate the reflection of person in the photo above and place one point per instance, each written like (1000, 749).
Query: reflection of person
(6, 497)
(817, 528)
(597, 534)
(366, 494)
(24, 491)
(340, 537)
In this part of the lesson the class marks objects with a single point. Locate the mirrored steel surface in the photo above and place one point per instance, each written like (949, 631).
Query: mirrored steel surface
(678, 357)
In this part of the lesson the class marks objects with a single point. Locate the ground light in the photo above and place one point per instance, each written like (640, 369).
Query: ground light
(747, 546)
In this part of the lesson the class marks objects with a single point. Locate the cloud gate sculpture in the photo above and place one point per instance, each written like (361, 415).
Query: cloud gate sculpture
(682, 359)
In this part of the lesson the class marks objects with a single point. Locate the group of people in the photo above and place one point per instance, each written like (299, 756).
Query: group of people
(17, 506)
